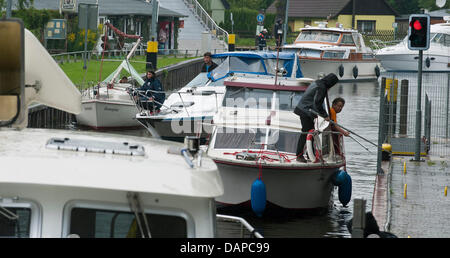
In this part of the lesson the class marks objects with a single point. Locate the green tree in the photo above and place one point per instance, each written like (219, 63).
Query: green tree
(21, 4)
(431, 5)
(405, 6)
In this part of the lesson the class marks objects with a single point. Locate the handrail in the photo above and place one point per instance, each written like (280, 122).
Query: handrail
(243, 223)
(207, 20)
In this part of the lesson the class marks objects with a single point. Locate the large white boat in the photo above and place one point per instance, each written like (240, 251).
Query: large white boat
(57, 183)
(324, 50)
(437, 58)
(188, 111)
(255, 138)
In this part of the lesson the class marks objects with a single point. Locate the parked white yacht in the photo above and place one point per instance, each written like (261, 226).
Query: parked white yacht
(188, 111)
(255, 138)
(57, 183)
(437, 58)
(324, 50)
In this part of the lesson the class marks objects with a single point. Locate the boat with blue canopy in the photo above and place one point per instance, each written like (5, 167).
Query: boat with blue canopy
(189, 111)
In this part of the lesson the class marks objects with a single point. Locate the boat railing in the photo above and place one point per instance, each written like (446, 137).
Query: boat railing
(243, 225)
(330, 148)
(378, 44)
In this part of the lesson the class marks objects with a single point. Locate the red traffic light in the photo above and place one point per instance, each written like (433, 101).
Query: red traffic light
(417, 25)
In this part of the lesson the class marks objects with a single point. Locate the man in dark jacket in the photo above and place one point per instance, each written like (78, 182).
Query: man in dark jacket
(208, 64)
(151, 92)
(278, 32)
(312, 99)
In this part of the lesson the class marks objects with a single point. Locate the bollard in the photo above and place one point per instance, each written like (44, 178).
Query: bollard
(445, 191)
(231, 42)
(404, 191)
(152, 55)
(359, 218)
(404, 168)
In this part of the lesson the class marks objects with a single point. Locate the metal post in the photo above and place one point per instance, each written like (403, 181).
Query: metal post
(419, 108)
(8, 9)
(446, 107)
(155, 7)
(85, 43)
(359, 218)
(286, 16)
(381, 125)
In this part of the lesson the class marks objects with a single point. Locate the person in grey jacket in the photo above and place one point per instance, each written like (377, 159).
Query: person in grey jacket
(312, 99)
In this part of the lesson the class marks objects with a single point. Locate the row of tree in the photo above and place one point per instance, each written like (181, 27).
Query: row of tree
(414, 6)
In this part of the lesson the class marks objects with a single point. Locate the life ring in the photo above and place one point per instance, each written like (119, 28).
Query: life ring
(313, 155)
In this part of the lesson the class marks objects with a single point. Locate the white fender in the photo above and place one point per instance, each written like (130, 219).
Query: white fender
(310, 147)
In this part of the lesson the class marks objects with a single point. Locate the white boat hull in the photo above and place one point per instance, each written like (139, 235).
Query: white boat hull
(102, 114)
(409, 62)
(287, 188)
(312, 68)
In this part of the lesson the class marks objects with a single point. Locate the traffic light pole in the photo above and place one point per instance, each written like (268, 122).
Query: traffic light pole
(419, 108)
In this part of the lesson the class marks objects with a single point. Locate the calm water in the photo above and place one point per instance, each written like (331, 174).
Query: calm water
(360, 115)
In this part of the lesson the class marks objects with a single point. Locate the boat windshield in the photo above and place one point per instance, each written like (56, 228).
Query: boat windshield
(322, 36)
(200, 80)
(261, 98)
(441, 38)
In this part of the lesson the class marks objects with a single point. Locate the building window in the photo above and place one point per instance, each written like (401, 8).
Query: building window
(366, 26)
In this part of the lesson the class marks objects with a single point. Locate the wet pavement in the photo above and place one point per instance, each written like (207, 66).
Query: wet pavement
(417, 206)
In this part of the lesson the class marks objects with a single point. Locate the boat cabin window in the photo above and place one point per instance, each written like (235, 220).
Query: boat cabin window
(368, 56)
(247, 98)
(230, 138)
(99, 223)
(442, 39)
(260, 98)
(15, 228)
(347, 39)
(310, 53)
(333, 54)
(322, 36)
(288, 100)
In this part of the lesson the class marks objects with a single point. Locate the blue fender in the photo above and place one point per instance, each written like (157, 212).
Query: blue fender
(258, 197)
(339, 177)
(345, 188)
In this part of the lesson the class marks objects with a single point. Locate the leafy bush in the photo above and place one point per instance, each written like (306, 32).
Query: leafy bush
(245, 21)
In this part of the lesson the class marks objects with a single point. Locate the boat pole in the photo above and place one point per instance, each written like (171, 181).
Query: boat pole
(8, 9)
(334, 123)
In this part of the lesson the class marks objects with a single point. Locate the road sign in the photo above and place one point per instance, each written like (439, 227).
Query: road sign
(260, 17)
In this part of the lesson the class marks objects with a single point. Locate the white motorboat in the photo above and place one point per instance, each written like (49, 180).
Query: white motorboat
(108, 104)
(255, 137)
(189, 111)
(324, 50)
(436, 59)
(57, 183)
